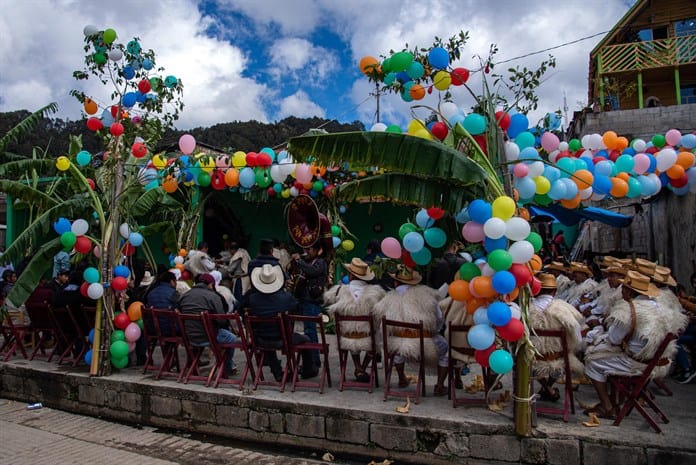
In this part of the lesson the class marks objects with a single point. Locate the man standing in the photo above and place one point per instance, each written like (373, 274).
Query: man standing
(200, 298)
(265, 256)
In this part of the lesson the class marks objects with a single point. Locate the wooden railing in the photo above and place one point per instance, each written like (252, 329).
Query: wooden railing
(650, 54)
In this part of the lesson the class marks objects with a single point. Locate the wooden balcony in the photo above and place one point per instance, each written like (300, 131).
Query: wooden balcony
(652, 54)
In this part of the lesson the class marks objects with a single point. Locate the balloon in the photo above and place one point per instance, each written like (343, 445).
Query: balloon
(95, 291)
(67, 239)
(136, 239)
(187, 143)
(666, 158)
(526, 187)
(518, 123)
(512, 331)
(498, 313)
(435, 237)
(405, 229)
(438, 58)
(494, 228)
(391, 247)
(619, 187)
(481, 286)
(347, 245)
(659, 141)
(499, 260)
(459, 290)
(368, 65)
(468, 271)
(400, 61)
(423, 219)
(482, 356)
(520, 170)
(422, 257)
(517, 229)
(503, 282)
(118, 349)
(79, 227)
(124, 230)
(119, 283)
(473, 232)
(83, 245)
(120, 362)
(481, 316)
(475, 124)
(459, 77)
(413, 241)
(493, 244)
(503, 207)
(247, 177)
(521, 251)
(525, 139)
(481, 337)
(549, 141)
(132, 332)
(122, 271)
(109, 36)
(62, 163)
(536, 241)
(501, 361)
(336, 242)
(480, 211)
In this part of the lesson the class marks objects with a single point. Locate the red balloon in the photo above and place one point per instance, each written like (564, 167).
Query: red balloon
(521, 273)
(83, 289)
(122, 320)
(614, 154)
(92, 184)
(94, 124)
(139, 150)
(119, 283)
(482, 142)
(263, 160)
(652, 150)
(116, 129)
(217, 180)
(144, 86)
(503, 119)
(251, 159)
(536, 286)
(186, 275)
(128, 250)
(482, 356)
(596, 160)
(271, 192)
(563, 154)
(83, 244)
(114, 110)
(435, 213)
(459, 76)
(439, 130)
(407, 260)
(511, 331)
(680, 182)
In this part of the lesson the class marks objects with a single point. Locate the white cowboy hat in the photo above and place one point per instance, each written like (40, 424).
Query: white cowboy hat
(360, 269)
(267, 278)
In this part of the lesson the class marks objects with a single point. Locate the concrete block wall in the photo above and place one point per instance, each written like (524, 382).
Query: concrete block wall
(643, 123)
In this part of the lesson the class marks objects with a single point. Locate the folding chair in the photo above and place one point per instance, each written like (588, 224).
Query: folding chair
(191, 370)
(630, 391)
(220, 350)
(44, 324)
(13, 333)
(297, 349)
(259, 348)
(456, 334)
(151, 339)
(568, 401)
(82, 332)
(72, 345)
(366, 322)
(170, 339)
(397, 329)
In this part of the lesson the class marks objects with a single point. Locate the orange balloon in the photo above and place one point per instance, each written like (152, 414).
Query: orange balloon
(513, 295)
(686, 160)
(135, 311)
(369, 65)
(232, 177)
(183, 252)
(170, 184)
(583, 179)
(179, 266)
(90, 106)
(610, 139)
(474, 304)
(483, 287)
(536, 262)
(459, 290)
(621, 142)
(515, 195)
(417, 92)
(574, 202)
(675, 172)
(623, 175)
(523, 213)
(619, 187)
(317, 170)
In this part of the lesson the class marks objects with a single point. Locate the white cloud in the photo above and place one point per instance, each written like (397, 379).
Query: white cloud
(300, 106)
(298, 60)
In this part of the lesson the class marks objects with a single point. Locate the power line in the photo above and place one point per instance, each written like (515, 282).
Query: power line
(552, 48)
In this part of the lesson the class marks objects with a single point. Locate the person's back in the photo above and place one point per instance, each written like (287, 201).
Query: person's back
(200, 298)
(267, 306)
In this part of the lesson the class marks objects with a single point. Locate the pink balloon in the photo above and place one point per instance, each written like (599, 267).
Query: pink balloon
(187, 143)
(131, 346)
(303, 173)
(473, 232)
(132, 332)
(520, 170)
(391, 247)
(642, 163)
(549, 141)
(673, 136)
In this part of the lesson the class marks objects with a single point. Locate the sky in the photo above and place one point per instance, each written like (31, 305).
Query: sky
(266, 60)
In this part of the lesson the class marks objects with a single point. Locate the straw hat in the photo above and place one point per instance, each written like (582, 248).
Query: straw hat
(578, 267)
(608, 261)
(640, 283)
(663, 275)
(645, 267)
(547, 280)
(147, 279)
(556, 266)
(616, 269)
(361, 270)
(267, 279)
(406, 275)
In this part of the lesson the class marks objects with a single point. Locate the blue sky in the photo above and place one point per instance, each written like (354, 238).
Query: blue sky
(266, 60)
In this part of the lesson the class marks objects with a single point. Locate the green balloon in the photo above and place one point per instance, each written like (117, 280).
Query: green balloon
(335, 230)
(535, 240)
(574, 145)
(659, 141)
(118, 335)
(119, 362)
(139, 323)
(109, 36)
(203, 179)
(499, 260)
(401, 61)
(68, 239)
(544, 199)
(318, 186)
(406, 228)
(155, 83)
(386, 66)
(263, 177)
(469, 271)
(99, 58)
(118, 349)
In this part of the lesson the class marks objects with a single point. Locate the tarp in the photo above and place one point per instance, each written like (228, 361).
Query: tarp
(572, 217)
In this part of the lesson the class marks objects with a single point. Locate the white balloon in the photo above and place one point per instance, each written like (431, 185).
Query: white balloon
(666, 158)
(596, 142)
(515, 310)
(563, 146)
(494, 228)
(586, 193)
(178, 260)
(79, 227)
(517, 229)
(115, 55)
(378, 127)
(521, 251)
(553, 155)
(277, 173)
(124, 230)
(639, 145)
(95, 291)
(536, 169)
(512, 151)
(596, 197)
(585, 141)
(90, 30)
(448, 110)
(294, 191)
(466, 256)
(486, 270)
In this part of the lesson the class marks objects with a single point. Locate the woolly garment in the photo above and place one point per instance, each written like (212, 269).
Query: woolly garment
(239, 269)
(455, 313)
(198, 262)
(563, 284)
(418, 303)
(339, 300)
(576, 291)
(675, 320)
(607, 299)
(559, 315)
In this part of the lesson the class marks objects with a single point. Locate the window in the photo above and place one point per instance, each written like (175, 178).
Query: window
(685, 28)
(688, 93)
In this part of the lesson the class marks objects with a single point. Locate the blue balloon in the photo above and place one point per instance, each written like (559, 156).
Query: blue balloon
(680, 191)
(480, 211)
(342, 209)
(435, 237)
(554, 121)
(481, 316)
(529, 155)
(423, 219)
(688, 141)
(589, 164)
(525, 139)
(413, 241)
(629, 151)
(345, 279)
(457, 118)
(499, 313)
(500, 361)
(475, 124)
(129, 99)
(551, 173)
(389, 78)
(438, 58)
(647, 186)
(140, 97)
(526, 187)
(90, 336)
(494, 244)
(481, 337)
(61, 226)
(147, 64)
(88, 357)
(422, 257)
(601, 184)
(122, 271)
(664, 179)
(653, 163)
(247, 178)
(503, 282)
(107, 119)
(571, 188)
(604, 168)
(558, 190)
(336, 241)
(601, 153)
(463, 216)
(128, 72)
(518, 124)
(402, 77)
(135, 239)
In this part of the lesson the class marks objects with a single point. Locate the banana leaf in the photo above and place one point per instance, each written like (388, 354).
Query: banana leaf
(26, 193)
(38, 266)
(166, 230)
(148, 201)
(18, 168)
(24, 126)
(394, 152)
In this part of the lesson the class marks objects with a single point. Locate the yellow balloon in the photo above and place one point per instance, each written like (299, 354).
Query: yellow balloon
(63, 163)
(159, 161)
(503, 207)
(348, 245)
(423, 134)
(542, 185)
(442, 80)
(239, 159)
(414, 126)
(285, 193)
(207, 164)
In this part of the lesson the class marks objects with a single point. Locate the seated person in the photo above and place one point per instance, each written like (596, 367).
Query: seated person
(162, 295)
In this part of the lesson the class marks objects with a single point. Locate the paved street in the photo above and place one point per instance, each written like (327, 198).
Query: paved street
(48, 436)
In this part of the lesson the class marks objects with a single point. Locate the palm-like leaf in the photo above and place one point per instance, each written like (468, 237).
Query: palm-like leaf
(394, 152)
(34, 271)
(24, 126)
(147, 202)
(20, 167)
(26, 193)
(165, 230)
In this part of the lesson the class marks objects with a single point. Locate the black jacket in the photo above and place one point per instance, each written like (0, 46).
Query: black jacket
(195, 301)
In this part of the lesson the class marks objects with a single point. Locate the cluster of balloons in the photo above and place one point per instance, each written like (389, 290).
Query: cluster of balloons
(490, 282)
(415, 242)
(337, 241)
(73, 235)
(134, 67)
(128, 329)
(177, 261)
(414, 78)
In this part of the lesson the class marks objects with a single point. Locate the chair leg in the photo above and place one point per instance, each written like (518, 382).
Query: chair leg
(342, 362)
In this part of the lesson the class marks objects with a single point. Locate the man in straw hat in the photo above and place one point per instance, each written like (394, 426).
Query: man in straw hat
(581, 289)
(268, 298)
(412, 302)
(357, 298)
(548, 312)
(559, 271)
(634, 332)
(608, 295)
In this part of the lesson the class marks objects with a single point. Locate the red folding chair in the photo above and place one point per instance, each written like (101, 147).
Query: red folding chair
(73, 349)
(234, 322)
(296, 351)
(365, 322)
(151, 339)
(394, 328)
(191, 370)
(44, 324)
(259, 348)
(170, 339)
(13, 333)
(568, 401)
(631, 391)
(455, 334)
